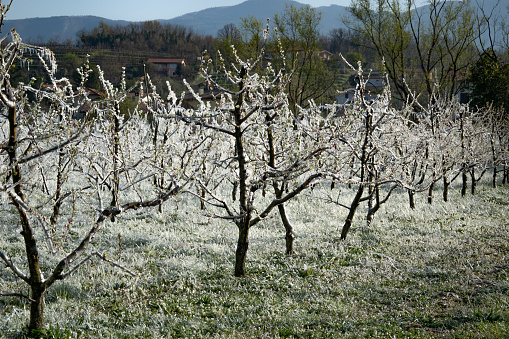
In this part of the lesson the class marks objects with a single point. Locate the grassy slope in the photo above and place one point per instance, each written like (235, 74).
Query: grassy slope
(441, 271)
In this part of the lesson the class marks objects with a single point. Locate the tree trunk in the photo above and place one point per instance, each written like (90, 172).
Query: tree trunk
(430, 193)
(116, 150)
(351, 213)
(244, 208)
(242, 246)
(494, 182)
(373, 208)
(463, 183)
(290, 235)
(351, 173)
(202, 201)
(474, 181)
(32, 253)
(36, 307)
(234, 190)
(445, 193)
(58, 192)
(411, 199)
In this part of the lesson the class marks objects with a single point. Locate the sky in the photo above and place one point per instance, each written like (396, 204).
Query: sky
(130, 10)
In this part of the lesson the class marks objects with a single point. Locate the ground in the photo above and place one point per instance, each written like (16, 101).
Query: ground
(441, 270)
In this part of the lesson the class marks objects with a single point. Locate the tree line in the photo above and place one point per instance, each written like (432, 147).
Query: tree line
(422, 47)
(455, 46)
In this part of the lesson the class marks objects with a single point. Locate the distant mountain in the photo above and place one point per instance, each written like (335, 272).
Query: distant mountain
(206, 22)
(209, 21)
(58, 28)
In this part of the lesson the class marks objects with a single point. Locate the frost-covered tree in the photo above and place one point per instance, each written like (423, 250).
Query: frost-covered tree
(374, 147)
(62, 178)
(258, 148)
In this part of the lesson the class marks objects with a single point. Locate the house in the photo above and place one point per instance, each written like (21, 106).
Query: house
(345, 96)
(84, 107)
(374, 85)
(324, 55)
(168, 67)
(205, 95)
(376, 82)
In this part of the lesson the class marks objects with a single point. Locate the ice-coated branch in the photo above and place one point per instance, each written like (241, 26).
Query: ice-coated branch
(16, 295)
(64, 263)
(52, 149)
(221, 203)
(13, 267)
(21, 204)
(102, 257)
(285, 198)
(199, 122)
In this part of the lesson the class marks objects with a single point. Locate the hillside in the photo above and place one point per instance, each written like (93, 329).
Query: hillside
(206, 22)
(58, 28)
(209, 21)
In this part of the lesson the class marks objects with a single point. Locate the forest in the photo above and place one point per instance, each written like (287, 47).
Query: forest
(271, 210)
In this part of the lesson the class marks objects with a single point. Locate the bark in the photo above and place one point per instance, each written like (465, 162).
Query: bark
(445, 193)
(373, 207)
(430, 193)
(242, 246)
(411, 199)
(474, 181)
(58, 192)
(37, 307)
(494, 181)
(363, 163)
(371, 214)
(463, 183)
(116, 151)
(234, 190)
(351, 213)
(290, 235)
(351, 172)
(494, 156)
(244, 223)
(32, 253)
(202, 201)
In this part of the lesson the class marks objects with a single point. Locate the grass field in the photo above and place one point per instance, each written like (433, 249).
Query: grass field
(441, 270)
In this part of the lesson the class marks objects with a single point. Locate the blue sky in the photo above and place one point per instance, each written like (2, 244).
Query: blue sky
(131, 10)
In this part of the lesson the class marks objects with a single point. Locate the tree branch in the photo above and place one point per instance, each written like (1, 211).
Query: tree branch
(13, 267)
(102, 257)
(284, 199)
(16, 295)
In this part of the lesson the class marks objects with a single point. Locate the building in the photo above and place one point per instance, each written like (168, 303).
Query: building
(168, 67)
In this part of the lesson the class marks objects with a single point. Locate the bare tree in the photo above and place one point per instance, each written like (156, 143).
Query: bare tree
(256, 149)
(429, 45)
(106, 151)
(388, 151)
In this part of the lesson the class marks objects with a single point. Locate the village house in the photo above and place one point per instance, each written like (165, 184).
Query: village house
(205, 94)
(324, 54)
(168, 67)
(83, 108)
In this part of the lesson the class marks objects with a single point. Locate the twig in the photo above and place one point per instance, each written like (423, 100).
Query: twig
(16, 295)
(13, 267)
(102, 257)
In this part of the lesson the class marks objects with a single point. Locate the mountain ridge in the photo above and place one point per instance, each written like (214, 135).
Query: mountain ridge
(205, 22)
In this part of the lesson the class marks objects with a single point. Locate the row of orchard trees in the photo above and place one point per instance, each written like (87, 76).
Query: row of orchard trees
(247, 155)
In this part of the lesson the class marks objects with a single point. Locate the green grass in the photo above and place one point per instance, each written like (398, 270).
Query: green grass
(438, 271)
